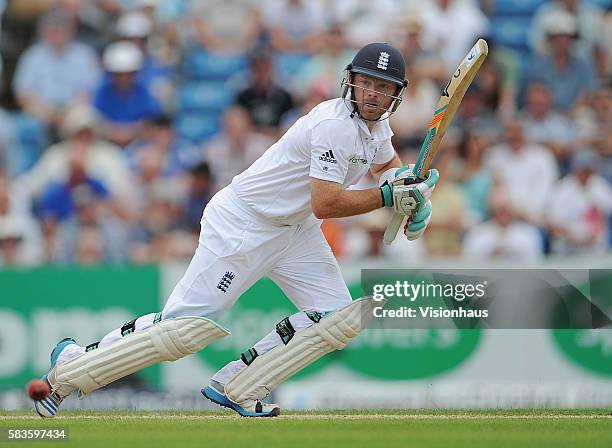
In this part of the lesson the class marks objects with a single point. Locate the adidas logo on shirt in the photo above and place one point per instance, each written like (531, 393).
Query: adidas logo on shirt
(328, 157)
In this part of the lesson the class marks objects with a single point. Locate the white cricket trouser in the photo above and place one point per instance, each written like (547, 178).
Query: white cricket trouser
(236, 248)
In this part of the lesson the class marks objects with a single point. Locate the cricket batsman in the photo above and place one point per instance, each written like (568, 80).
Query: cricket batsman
(267, 223)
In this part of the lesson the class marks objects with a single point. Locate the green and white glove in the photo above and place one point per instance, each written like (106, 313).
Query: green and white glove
(406, 193)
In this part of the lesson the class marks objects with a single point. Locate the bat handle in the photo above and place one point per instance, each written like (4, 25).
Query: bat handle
(392, 228)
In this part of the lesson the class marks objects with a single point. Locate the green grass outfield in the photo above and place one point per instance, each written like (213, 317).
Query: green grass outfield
(541, 428)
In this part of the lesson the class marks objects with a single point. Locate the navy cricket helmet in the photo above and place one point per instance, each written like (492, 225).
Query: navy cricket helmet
(382, 61)
(379, 60)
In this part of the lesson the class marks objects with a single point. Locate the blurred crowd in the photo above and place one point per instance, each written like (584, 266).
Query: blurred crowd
(119, 119)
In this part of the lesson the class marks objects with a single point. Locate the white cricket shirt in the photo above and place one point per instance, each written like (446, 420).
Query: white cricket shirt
(326, 144)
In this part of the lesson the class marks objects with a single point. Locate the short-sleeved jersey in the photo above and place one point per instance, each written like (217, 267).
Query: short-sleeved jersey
(327, 143)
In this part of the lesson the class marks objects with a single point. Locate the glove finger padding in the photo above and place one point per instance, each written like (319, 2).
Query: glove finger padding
(422, 213)
(416, 225)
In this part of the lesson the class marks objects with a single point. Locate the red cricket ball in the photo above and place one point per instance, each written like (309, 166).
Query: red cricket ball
(38, 389)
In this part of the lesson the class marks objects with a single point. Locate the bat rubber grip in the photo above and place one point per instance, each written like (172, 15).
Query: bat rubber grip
(392, 228)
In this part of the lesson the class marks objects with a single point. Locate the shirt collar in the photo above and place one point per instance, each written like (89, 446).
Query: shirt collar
(381, 130)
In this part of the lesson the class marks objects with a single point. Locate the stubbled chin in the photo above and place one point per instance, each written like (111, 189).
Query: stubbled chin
(371, 115)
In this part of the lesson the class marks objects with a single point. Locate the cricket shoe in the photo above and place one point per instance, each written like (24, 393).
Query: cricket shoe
(215, 392)
(49, 406)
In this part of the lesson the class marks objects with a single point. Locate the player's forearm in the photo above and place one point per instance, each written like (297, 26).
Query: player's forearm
(349, 203)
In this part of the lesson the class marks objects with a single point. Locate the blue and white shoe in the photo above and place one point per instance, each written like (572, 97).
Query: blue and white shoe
(215, 392)
(49, 407)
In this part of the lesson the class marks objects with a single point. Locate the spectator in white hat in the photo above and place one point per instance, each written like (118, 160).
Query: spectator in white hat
(569, 75)
(137, 27)
(588, 18)
(123, 102)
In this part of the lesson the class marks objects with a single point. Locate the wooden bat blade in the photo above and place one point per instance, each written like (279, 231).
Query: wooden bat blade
(449, 102)
(445, 110)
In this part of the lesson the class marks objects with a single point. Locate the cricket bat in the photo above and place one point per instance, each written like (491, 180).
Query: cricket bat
(445, 111)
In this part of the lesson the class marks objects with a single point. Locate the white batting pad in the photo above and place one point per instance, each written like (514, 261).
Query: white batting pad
(332, 332)
(167, 340)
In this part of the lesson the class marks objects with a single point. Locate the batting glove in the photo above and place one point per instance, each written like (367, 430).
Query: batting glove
(406, 193)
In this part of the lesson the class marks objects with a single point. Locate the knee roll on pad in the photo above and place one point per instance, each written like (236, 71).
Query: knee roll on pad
(167, 340)
(332, 332)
